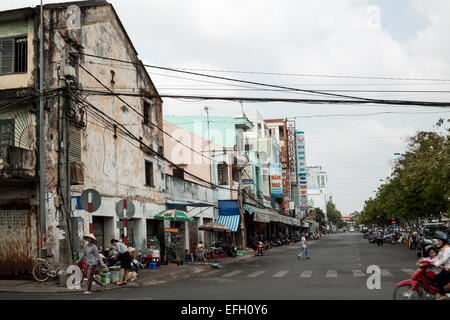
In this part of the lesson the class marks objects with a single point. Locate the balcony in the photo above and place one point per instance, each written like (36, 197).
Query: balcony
(243, 123)
(17, 163)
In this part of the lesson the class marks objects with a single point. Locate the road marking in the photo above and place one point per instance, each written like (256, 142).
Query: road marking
(306, 274)
(408, 271)
(358, 273)
(281, 274)
(386, 273)
(255, 274)
(332, 274)
(210, 273)
(231, 274)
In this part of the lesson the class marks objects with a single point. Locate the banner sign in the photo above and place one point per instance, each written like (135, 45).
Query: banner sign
(301, 167)
(291, 152)
(276, 188)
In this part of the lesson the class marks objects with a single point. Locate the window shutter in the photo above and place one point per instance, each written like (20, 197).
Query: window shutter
(7, 56)
(75, 146)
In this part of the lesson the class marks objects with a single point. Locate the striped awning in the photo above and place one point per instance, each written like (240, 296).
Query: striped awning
(249, 208)
(231, 221)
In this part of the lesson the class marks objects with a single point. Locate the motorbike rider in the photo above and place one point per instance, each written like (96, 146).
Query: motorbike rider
(443, 277)
(432, 253)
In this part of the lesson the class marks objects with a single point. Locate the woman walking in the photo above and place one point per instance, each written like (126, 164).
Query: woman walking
(305, 248)
(92, 257)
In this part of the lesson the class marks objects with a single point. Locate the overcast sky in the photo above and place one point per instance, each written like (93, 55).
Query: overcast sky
(376, 38)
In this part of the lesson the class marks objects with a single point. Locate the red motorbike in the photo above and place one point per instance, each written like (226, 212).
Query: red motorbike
(420, 287)
(259, 249)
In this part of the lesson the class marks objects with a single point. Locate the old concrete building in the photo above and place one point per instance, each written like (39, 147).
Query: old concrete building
(93, 139)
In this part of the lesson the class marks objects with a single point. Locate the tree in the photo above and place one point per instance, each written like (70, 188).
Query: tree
(418, 186)
(334, 215)
(320, 217)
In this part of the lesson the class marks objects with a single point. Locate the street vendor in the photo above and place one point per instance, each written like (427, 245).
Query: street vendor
(125, 260)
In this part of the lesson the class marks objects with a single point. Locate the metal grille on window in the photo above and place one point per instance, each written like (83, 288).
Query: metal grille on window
(20, 55)
(222, 170)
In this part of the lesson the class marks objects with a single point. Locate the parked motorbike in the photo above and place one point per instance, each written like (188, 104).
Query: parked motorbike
(419, 287)
(230, 251)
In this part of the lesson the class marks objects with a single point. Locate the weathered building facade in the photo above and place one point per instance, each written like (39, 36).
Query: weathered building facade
(94, 139)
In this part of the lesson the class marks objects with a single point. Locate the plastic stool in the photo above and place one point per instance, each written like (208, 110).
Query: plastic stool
(152, 265)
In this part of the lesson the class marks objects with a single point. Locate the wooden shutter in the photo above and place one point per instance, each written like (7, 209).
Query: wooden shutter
(75, 146)
(7, 56)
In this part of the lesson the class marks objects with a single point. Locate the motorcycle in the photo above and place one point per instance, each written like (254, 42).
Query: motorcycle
(230, 251)
(420, 286)
(259, 249)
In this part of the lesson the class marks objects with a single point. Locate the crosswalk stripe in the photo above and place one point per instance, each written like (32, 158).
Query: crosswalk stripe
(332, 274)
(358, 273)
(408, 271)
(281, 274)
(306, 274)
(255, 274)
(386, 273)
(210, 273)
(231, 274)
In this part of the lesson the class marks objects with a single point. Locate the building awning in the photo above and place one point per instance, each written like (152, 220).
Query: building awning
(229, 214)
(228, 207)
(230, 221)
(249, 208)
(171, 205)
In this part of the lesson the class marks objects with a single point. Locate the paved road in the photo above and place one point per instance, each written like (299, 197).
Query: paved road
(337, 270)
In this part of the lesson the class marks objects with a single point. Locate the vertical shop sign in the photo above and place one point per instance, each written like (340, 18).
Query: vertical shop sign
(276, 188)
(291, 152)
(301, 167)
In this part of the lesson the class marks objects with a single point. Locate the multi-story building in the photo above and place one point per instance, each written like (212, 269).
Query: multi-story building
(227, 153)
(318, 196)
(88, 139)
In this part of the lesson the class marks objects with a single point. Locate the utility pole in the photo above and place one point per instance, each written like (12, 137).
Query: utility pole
(42, 215)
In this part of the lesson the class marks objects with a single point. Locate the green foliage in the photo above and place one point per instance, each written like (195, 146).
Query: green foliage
(334, 215)
(419, 183)
(320, 217)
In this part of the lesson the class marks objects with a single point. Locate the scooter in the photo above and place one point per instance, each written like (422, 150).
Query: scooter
(259, 249)
(420, 286)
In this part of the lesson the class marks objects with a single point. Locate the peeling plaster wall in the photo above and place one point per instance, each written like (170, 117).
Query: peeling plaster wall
(112, 166)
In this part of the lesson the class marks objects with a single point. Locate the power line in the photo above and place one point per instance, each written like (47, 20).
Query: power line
(317, 75)
(287, 100)
(133, 137)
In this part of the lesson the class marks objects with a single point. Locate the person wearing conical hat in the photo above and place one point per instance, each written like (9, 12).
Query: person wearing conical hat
(92, 257)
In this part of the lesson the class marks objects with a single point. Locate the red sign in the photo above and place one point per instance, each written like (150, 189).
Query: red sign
(393, 222)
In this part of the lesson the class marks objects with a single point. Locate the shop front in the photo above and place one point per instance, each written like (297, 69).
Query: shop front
(230, 216)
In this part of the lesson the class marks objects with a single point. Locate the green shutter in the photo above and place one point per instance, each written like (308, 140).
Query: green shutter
(7, 56)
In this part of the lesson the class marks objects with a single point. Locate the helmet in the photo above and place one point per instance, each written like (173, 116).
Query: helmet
(441, 236)
(429, 248)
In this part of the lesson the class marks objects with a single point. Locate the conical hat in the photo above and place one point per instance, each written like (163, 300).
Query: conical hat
(91, 235)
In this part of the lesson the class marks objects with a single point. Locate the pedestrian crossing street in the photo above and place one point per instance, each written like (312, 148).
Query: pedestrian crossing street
(305, 274)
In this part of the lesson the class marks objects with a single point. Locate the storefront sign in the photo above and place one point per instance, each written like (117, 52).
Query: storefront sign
(247, 182)
(171, 230)
(291, 152)
(276, 188)
(285, 170)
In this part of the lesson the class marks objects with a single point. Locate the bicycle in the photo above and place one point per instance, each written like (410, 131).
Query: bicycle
(43, 269)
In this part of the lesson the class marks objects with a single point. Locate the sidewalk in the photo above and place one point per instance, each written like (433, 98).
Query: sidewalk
(146, 278)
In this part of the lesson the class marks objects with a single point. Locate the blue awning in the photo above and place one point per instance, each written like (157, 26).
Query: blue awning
(228, 207)
(231, 221)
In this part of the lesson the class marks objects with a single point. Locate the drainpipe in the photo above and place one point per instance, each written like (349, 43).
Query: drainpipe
(42, 218)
